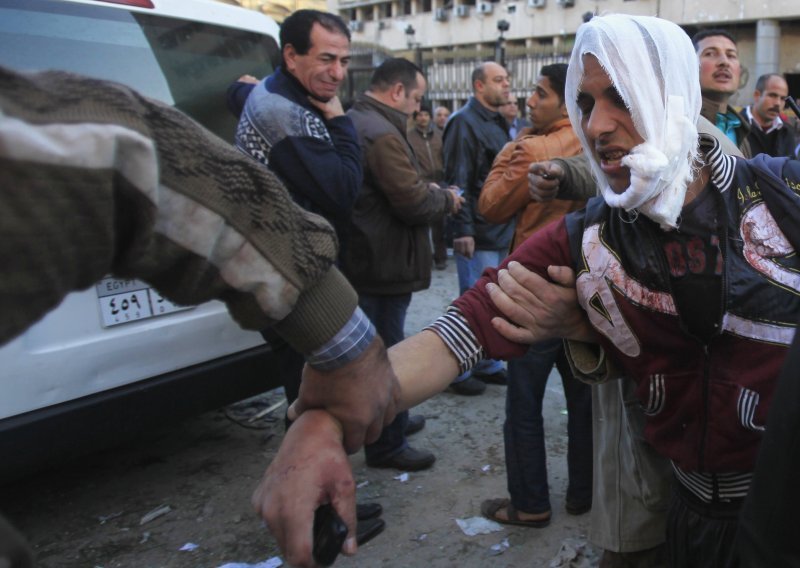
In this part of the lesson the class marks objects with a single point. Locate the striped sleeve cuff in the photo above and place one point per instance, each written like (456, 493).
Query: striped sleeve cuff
(350, 342)
(454, 330)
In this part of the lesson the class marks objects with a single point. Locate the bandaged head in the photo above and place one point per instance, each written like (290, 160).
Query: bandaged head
(654, 68)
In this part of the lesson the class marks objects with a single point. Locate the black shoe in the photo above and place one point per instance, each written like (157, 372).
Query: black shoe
(441, 265)
(469, 387)
(368, 529)
(366, 511)
(407, 460)
(416, 422)
(577, 509)
(498, 378)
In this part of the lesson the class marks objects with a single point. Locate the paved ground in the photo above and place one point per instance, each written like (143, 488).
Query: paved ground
(201, 473)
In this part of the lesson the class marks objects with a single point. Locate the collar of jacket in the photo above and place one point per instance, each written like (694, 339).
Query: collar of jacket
(485, 113)
(710, 108)
(397, 118)
(557, 125)
(777, 124)
(427, 133)
(286, 84)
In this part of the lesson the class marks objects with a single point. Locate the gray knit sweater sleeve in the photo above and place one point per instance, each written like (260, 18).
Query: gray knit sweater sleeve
(96, 179)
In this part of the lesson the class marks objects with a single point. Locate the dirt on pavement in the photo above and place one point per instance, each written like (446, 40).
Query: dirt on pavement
(198, 477)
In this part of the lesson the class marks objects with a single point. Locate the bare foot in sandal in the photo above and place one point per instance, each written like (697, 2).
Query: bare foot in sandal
(502, 511)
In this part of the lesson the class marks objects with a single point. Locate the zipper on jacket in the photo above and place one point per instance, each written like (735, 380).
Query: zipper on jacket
(723, 230)
(721, 222)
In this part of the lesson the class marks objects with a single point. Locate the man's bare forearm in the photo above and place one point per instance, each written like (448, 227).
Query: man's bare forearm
(424, 366)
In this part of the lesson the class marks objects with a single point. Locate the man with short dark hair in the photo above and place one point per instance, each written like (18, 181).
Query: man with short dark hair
(387, 254)
(474, 135)
(720, 78)
(768, 133)
(505, 197)
(294, 124)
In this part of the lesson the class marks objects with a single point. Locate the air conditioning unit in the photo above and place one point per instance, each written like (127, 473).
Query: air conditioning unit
(356, 25)
(566, 3)
(462, 11)
(485, 7)
(537, 3)
(440, 15)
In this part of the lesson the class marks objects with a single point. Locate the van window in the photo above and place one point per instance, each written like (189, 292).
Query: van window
(184, 63)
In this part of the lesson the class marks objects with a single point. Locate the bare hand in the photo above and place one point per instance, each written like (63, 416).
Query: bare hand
(458, 199)
(329, 109)
(541, 308)
(309, 470)
(362, 395)
(248, 79)
(464, 246)
(544, 181)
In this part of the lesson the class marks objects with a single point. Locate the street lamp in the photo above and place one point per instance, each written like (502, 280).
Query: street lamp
(410, 32)
(500, 46)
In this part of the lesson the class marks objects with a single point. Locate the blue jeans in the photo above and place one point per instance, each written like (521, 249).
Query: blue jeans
(523, 431)
(469, 270)
(388, 314)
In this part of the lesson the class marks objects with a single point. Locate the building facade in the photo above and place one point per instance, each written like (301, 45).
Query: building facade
(448, 37)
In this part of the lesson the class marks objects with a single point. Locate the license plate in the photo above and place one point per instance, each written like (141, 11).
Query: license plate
(123, 301)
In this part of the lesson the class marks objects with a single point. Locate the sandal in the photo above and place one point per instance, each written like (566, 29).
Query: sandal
(490, 507)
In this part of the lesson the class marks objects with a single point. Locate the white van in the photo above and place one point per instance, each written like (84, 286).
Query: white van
(117, 358)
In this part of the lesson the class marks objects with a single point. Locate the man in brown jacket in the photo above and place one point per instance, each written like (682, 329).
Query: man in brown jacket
(387, 253)
(426, 140)
(505, 196)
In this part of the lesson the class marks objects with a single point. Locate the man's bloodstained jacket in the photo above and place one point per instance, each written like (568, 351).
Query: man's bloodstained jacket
(706, 401)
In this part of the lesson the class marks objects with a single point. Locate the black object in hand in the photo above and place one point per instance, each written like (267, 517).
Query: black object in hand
(329, 534)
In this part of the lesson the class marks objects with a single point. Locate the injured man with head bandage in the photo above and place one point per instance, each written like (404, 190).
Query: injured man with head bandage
(687, 280)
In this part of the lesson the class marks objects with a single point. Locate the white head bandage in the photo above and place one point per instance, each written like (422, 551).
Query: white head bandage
(653, 66)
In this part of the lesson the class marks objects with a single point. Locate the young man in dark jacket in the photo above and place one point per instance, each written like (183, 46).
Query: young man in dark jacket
(388, 253)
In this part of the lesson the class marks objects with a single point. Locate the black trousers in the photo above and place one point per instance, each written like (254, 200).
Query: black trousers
(701, 535)
(769, 527)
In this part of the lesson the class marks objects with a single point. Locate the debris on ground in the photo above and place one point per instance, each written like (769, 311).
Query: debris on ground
(478, 525)
(273, 562)
(189, 546)
(575, 553)
(159, 511)
(500, 547)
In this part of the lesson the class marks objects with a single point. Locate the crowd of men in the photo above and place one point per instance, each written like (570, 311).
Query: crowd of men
(667, 186)
(676, 286)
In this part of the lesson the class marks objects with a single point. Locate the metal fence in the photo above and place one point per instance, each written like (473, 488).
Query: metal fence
(449, 72)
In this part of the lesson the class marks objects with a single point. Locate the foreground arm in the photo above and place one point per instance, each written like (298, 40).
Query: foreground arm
(311, 467)
(97, 180)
